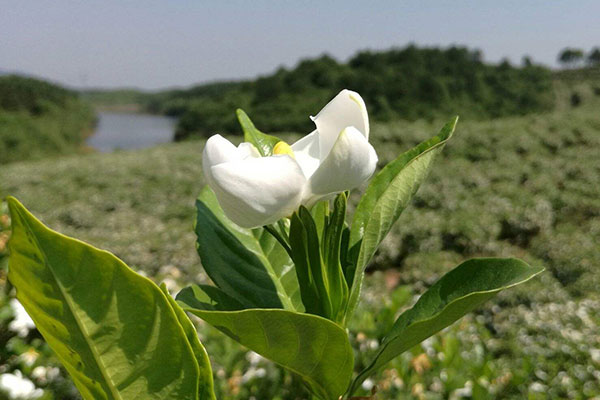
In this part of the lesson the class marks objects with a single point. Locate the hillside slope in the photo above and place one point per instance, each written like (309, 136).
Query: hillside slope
(38, 118)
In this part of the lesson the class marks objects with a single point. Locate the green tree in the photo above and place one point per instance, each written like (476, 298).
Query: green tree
(593, 57)
(570, 57)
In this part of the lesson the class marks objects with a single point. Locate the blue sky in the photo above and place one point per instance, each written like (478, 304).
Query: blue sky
(156, 44)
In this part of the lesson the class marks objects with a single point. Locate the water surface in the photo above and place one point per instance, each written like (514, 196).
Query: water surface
(126, 131)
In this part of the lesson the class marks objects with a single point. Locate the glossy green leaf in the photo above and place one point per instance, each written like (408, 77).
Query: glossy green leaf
(205, 387)
(313, 347)
(386, 197)
(309, 266)
(115, 331)
(206, 297)
(263, 142)
(320, 212)
(454, 295)
(331, 244)
(249, 266)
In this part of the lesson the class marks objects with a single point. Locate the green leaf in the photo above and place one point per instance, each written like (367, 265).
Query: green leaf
(315, 240)
(114, 331)
(309, 266)
(205, 386)
(332, 241)
(207, 297)
(454, 295)
(263, 142)
(320, 213)
(386, 197)
(249, 266)
(313, 347)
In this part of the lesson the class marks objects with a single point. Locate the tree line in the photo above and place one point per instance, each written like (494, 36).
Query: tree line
(572, 57)
(401, 83)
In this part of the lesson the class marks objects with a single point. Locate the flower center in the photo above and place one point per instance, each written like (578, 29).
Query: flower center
(283, 148)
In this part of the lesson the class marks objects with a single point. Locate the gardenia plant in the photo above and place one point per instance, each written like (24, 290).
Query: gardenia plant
(287, 267)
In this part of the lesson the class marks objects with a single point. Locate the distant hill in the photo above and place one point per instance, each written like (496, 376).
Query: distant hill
(408, 83)
(18, 93)
(38, 118)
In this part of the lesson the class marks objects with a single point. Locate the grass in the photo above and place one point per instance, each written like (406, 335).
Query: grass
(38, 119)
(520, 186)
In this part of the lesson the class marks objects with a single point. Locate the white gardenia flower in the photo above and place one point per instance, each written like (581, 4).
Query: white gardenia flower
(22, 322)
(337, 156)
(18, 387)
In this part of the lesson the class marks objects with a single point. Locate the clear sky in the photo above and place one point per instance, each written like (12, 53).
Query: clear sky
(156, 44)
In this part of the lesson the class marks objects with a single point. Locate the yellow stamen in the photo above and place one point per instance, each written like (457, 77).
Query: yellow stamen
(283, 148)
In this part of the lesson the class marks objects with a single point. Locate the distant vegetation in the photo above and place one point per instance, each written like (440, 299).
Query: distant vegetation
(38, 118)
(408, 83)
(572, 57)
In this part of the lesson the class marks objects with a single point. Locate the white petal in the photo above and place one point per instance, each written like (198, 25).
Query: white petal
(246, 150)
(346, 109)
(219, 150)
(216, 151)
(258, 191)
(351, 162)
(306, 151)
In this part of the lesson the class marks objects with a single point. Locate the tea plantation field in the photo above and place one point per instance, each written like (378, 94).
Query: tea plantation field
(526, 186)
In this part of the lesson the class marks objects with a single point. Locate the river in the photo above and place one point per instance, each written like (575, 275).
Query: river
(126, 131)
